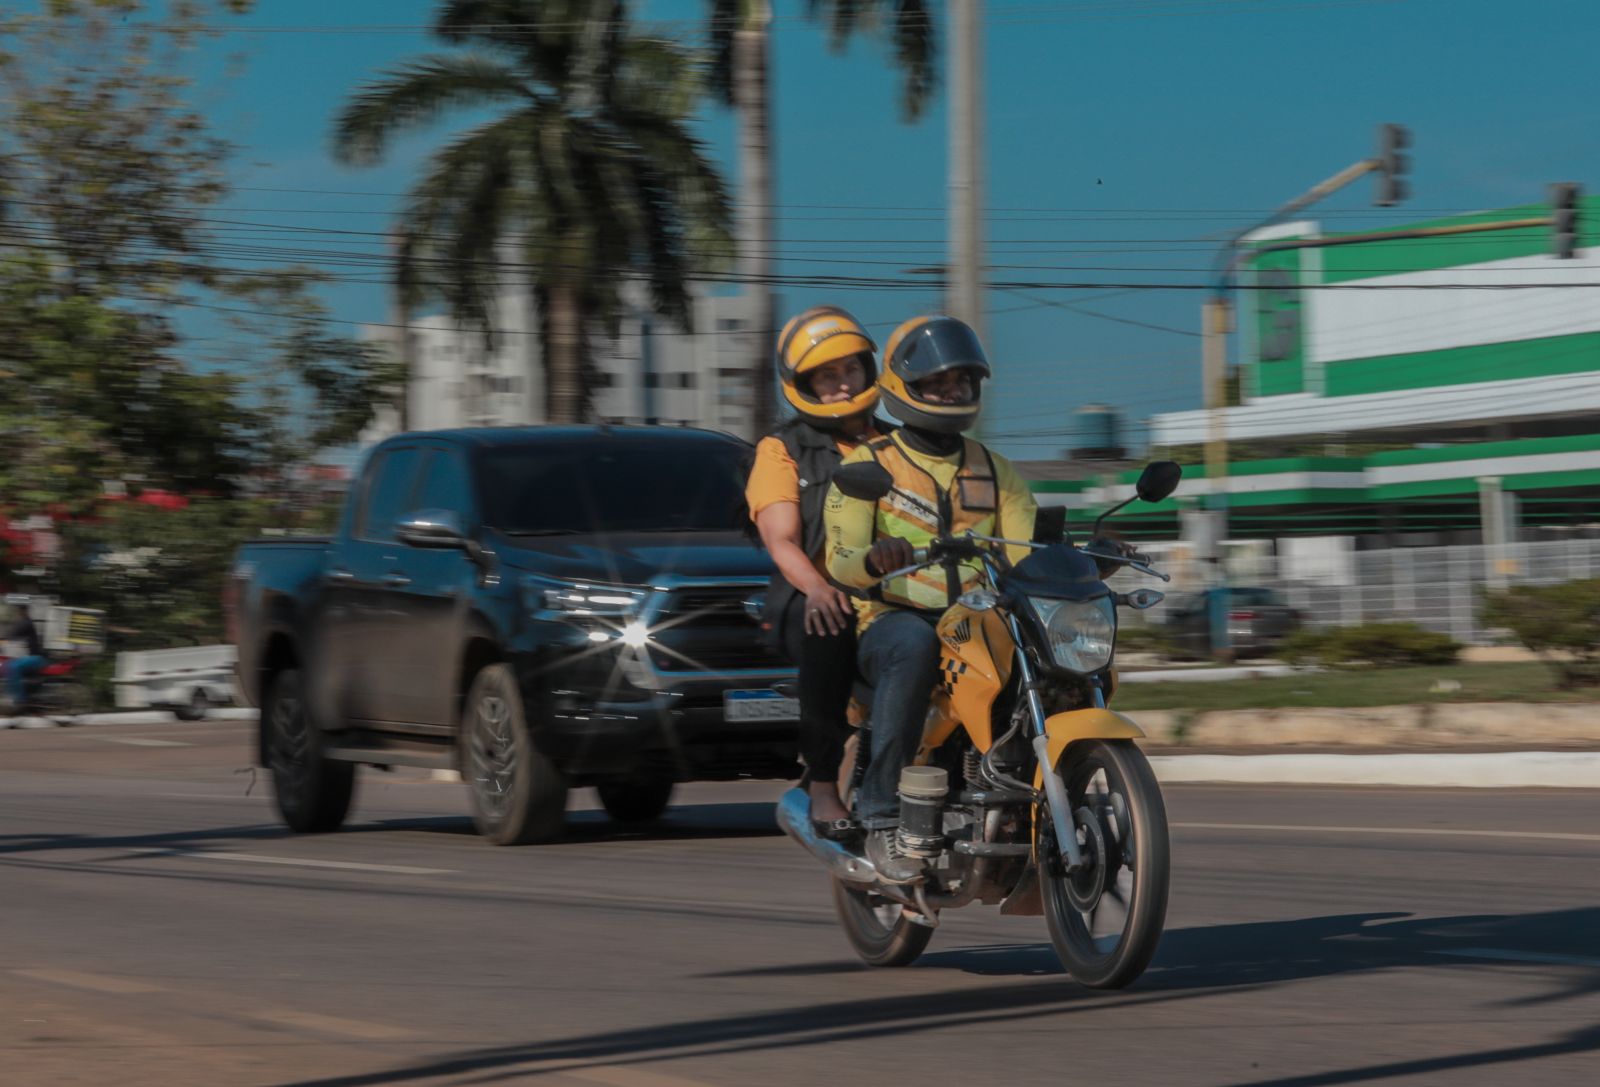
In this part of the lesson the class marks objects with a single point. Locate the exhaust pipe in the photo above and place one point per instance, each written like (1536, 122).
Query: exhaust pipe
(794, 816)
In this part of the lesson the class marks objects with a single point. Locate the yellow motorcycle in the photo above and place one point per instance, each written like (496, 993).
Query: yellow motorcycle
(1027, 791)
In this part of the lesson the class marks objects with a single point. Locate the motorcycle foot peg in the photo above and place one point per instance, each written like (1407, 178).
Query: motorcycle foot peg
(922, 795)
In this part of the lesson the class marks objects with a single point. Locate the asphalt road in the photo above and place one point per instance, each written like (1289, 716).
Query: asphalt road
(159, 927)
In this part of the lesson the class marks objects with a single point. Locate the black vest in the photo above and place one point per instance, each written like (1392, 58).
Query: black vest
(816, 455)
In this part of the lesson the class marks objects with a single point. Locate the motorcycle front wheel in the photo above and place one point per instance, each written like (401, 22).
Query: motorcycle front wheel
(1106, 920)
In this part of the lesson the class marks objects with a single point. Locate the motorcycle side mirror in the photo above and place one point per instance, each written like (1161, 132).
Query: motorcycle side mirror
(867, 481)
(1158, 480)
(1050, 525)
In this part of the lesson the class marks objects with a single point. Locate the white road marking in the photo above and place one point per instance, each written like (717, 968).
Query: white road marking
(302, 862)
(99, 983)
(627, 1077)
(257, 798)
(329, 1024)
(1551, 835)
(1519, 956)
(138, 741)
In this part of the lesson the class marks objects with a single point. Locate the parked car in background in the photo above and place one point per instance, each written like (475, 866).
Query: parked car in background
(188, 681)
(1258, 620)
(540, 608)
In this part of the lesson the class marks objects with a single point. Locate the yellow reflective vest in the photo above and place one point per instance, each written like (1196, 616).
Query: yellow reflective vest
(971, 490)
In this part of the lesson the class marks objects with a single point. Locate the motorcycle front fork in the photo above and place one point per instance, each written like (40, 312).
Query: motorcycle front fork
(1055, 790)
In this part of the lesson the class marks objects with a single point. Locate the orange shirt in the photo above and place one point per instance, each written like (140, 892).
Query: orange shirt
(775, 477)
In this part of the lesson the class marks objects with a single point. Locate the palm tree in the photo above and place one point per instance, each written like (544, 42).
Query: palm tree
(588, 172)
(740, 80)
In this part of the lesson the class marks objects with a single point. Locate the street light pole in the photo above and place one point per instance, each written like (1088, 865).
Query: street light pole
(1217, 323)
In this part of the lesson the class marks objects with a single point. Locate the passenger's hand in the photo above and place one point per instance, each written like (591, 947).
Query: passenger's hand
(828, 611)
(890, 553)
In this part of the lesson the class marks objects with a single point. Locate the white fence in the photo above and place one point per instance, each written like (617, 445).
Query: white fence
(1437, 587)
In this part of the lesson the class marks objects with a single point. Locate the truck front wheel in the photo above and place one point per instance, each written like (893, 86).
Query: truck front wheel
(312, 791)
(518, 794)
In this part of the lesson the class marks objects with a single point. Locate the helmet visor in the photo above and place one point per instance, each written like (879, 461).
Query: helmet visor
(939, 346)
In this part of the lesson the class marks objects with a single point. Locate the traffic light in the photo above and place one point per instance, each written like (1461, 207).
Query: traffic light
(1392, 164)
(1564, 218)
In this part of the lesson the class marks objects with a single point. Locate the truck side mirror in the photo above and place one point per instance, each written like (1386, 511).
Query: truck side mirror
(433, 529)
(867, 480)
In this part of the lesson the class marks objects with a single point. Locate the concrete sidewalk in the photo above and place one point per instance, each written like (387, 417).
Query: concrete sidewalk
(1434, 769)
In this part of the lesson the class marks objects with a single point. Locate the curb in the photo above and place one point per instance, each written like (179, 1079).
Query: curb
(1493, 770)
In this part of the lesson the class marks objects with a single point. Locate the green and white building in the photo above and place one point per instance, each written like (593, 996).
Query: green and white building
(1471, 360)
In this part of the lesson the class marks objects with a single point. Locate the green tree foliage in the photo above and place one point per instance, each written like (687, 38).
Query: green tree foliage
(1561, 623)
(107, 175)
(586, 172)
(110, 254)
(908, 25)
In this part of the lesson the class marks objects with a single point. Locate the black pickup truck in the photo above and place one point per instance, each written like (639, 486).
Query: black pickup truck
(537, 608)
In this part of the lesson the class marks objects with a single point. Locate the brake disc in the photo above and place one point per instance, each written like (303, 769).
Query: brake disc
(1087, 884)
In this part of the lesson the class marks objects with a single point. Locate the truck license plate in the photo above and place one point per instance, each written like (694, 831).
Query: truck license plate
(759, 706)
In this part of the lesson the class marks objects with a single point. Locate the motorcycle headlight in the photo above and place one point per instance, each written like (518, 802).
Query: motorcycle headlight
(1081, 632)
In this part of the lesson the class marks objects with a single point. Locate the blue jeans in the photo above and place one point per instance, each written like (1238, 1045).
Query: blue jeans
(899, 656)
(18, 669)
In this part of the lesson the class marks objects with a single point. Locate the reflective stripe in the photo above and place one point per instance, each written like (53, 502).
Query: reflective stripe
(918, 510)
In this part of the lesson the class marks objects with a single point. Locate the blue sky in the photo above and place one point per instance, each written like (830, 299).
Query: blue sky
(1125, 137)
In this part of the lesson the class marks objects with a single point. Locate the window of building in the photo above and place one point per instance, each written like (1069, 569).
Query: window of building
(729, 324)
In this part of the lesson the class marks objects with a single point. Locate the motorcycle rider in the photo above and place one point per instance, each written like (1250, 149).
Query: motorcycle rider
(826, 362)
(18, 669)
(944, 483)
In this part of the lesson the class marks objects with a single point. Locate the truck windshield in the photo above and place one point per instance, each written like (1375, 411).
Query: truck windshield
(613, 487)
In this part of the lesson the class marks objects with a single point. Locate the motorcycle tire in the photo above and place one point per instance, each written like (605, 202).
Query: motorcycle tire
(1111, 782)
(312, 791)
(71, 700)
(877, 928)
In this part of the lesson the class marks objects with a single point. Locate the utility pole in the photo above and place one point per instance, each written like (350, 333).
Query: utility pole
(965, 293)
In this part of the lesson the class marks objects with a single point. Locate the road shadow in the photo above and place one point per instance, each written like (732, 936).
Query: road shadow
(1269, 952)
(879, 1017)
(1193, 964)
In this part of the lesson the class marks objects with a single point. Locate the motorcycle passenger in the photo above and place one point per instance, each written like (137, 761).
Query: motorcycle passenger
(31, 662)
(826, 362)
(933, 369)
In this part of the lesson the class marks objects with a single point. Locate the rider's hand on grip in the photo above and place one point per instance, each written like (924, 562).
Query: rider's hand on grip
(890, 553)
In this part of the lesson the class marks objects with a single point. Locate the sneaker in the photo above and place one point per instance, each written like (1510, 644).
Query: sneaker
(893, 866)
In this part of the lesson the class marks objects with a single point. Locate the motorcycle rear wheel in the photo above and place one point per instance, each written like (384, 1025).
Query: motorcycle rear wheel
(1110, 943)
(877, 928)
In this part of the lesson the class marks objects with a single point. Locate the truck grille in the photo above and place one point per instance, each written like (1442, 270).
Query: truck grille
(708, 629)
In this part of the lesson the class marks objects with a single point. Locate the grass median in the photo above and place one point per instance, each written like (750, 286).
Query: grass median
(1357, 687)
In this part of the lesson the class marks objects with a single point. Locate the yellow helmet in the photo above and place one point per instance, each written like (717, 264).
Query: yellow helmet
(921, 348)
(811, 340)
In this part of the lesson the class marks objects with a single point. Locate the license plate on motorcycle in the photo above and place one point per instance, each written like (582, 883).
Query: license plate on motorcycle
(759, 706)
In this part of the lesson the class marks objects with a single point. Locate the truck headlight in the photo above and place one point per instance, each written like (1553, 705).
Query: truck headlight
(580, 600)
(1081, 632)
